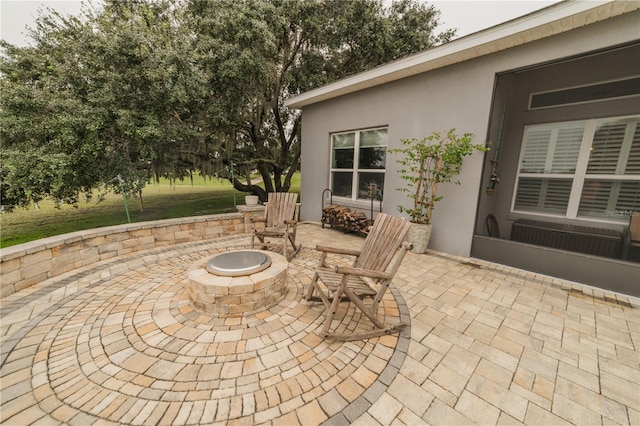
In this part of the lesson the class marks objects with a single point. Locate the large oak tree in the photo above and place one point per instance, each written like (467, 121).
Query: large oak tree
(137, 89)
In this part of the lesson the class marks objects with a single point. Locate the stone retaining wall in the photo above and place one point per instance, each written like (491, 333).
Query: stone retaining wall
(26, 264)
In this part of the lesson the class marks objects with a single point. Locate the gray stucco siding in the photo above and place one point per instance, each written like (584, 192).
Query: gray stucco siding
(413, 107)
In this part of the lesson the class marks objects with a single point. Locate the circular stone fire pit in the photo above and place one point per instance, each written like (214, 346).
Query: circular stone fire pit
(238, 282)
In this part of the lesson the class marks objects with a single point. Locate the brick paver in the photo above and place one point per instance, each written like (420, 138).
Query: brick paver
(118, 342)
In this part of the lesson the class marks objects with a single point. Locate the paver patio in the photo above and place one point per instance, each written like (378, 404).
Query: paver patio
(117, 342)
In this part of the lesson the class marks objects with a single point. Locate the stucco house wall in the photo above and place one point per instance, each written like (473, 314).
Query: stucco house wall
(455, 96)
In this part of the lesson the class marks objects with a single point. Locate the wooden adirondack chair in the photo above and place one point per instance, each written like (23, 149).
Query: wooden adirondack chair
(279, 223)
(374, 267)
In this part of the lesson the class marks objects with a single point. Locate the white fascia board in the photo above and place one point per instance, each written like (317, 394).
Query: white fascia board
(546, 22)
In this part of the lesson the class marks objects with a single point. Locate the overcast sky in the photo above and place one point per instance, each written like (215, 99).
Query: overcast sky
(468, 16)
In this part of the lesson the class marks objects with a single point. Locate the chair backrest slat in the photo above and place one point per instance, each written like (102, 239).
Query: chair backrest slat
(280, 207)
(384, 239)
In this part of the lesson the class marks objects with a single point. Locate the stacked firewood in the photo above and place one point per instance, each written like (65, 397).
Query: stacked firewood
(343, 218)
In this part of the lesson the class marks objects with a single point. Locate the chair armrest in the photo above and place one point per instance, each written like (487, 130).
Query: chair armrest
(338, 250)
(363, 272)
(290, 222)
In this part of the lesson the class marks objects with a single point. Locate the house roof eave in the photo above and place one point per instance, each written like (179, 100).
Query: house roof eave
(552, 20)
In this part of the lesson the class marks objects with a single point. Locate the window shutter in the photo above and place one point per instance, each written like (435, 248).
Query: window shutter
(594, 200)
(536, 146)
(543, 195)
(633, 163)
(629, 197)
(528, 194)
(549, 176)
(556, 197)
(605, 149)
(549, 151)
(567, 148)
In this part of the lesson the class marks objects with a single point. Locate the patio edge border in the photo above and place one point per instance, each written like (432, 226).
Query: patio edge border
(24, 265)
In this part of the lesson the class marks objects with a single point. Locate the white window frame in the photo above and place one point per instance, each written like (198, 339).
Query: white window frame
(356, 162)
(580, 174)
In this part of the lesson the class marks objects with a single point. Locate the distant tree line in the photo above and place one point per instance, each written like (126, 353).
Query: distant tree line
(135, 90)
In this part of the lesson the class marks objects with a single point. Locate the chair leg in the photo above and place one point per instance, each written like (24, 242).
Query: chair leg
(314, 288)
(292, 240)
(284, 244)
(262, 244)
(337, 296)
(314, 281)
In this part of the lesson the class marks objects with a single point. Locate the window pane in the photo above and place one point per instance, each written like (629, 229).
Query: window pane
(344, 140)
(370, 184)
(543, 195)
(556, 195)
(535, 155)
(611, 199)
(567, 148)
(373, 138)
(342, 159)
(594, 92)
(633, 162)
(594, 200)
(605, 149)
(552, 150)
(341, 183)
(629, 198)
(343, 150)
(372, 158)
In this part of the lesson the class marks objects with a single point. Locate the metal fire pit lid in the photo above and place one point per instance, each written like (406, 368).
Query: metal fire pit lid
(238, 263)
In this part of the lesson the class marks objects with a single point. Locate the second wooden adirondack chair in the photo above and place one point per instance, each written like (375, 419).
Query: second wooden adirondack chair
(278, 226)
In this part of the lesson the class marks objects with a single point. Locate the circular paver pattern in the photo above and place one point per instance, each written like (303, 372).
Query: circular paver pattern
(128, 347)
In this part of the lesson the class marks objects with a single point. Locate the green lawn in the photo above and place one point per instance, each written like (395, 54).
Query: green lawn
(161, 201)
